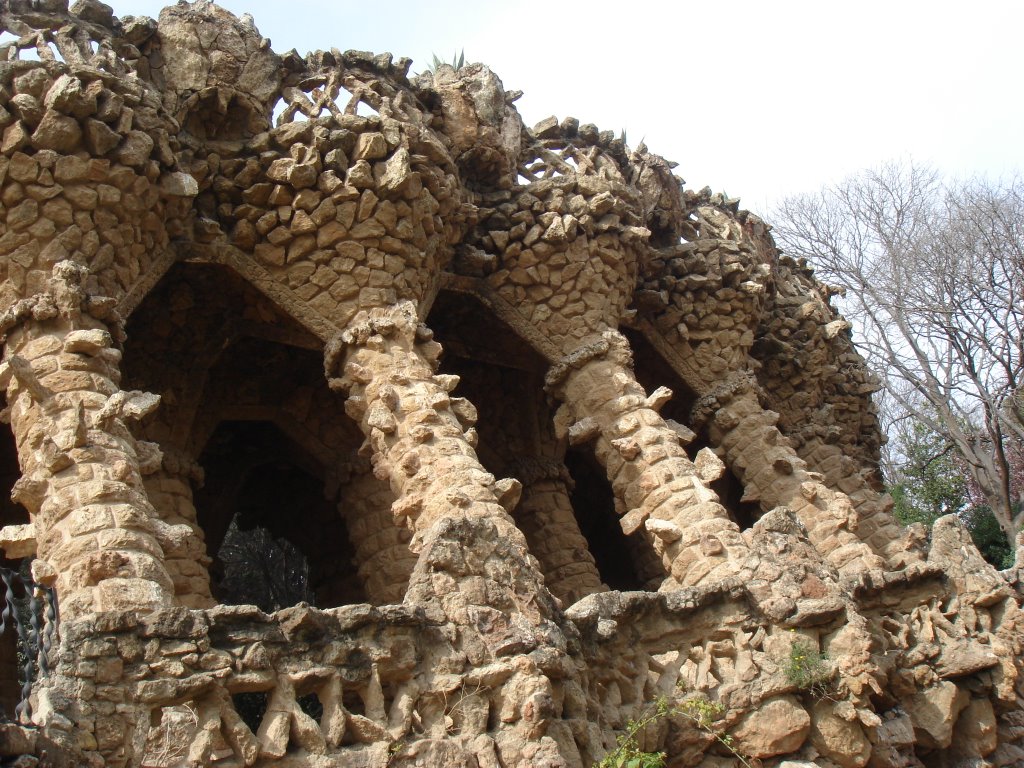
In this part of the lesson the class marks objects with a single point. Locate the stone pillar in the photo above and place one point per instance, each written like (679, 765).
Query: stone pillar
(773, 475)
(81, 478)
(382, 553)
(414, 431)
(654, 480)
(545, 515)
(875, 523)
(169, 488)
(473, 568)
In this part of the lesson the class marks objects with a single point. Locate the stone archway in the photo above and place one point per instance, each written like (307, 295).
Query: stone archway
(275, 535)
(243, 388)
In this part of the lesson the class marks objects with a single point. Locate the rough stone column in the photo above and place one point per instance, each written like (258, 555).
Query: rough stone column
(81, 477)
(773, 474)
(546, 517)
(415, 431)
(382, 553)
(653, 479)
(170, 490)
(875, 523)
(473, 568)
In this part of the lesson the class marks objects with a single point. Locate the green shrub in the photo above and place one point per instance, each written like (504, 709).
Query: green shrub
(808, 669)
(699, 710)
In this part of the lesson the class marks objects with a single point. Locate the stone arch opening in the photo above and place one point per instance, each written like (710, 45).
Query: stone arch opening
(223, 116)
(11, 512)
(503, 377)
(277, 535)
(500, 374)
(744, 512)
(242, 382)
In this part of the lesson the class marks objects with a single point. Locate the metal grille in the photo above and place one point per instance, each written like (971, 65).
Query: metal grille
(30, 610)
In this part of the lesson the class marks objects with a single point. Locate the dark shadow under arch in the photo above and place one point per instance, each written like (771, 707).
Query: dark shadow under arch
(11, 513)
(623, 562)
(277, 538)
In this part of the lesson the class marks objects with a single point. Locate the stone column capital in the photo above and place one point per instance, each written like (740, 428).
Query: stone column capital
(370, 329)
(739, 384)
(67, 298)
(612, 346)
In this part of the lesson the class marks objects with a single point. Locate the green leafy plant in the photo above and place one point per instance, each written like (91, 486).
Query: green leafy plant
(808, 669)
(457, 62)
(699, 710)
(704, 714)
(395, 749)
(628, 753)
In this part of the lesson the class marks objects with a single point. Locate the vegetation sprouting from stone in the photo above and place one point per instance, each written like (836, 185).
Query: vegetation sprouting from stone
(697, 710)
(808, 669)
(458, 61)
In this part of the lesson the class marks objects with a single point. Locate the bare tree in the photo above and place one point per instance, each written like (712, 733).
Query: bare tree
(934, 279)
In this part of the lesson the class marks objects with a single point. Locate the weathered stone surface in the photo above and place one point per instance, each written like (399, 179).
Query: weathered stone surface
(841, 741)
(179, 185)
(56, 131)
(778, 726)
(934, 711)
(135, 148)
(99, 137)
(224, 379)
(18, 541)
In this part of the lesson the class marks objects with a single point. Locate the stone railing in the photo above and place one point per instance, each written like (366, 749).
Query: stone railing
(569, 149)
(233, 686)
(354, 82)
(50, 35)
(907, 666)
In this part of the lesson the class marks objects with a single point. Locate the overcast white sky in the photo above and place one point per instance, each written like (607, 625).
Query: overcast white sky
(759, 99)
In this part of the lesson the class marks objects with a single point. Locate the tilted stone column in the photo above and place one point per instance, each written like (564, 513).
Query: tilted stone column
(81, 478)
(773, 474)
(415, 431)
(169, 488)
(546, 517)
(383, 558)
(652, 477)
(473, 568)
(875, 523)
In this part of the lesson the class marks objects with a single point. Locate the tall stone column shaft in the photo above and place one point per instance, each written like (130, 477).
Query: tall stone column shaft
(383, 558)
(81, 479)
(546, 517)
(653, 479)
(473, 568)
(773, 474)
(169, 488)
(875, 523)
(418, 442)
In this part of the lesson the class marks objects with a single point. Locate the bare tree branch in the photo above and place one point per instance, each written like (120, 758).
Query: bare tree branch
(934, 274)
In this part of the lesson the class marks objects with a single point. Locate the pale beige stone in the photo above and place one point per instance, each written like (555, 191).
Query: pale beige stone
(841, 740)
(779, 725)
(293, 277)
